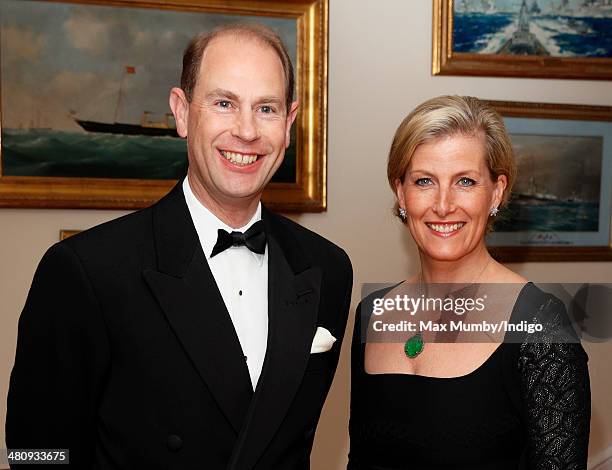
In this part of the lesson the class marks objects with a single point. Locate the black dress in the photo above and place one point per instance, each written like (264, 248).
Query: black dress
(526, 407)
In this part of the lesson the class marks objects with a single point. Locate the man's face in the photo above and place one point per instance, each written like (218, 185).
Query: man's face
(236, 124)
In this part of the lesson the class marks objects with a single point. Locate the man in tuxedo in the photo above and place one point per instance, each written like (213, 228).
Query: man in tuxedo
(187, 335)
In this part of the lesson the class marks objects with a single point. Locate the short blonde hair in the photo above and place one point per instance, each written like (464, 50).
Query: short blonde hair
(446, 116)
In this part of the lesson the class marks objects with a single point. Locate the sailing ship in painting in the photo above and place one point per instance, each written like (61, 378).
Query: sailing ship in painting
(146, 126)
(147, 150)
(78, 105)
(561, 28)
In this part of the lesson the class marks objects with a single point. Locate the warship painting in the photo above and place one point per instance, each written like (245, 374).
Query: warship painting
(557, 28)
(545, 198)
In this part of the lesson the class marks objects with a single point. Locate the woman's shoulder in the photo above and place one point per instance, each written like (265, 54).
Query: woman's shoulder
(539, 306)
(549, 354)
(550, 330)
(370, 293)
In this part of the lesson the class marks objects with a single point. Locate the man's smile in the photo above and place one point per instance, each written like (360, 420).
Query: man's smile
(238, 158)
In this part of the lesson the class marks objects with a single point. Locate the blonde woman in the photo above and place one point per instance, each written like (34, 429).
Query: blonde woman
(514, 405)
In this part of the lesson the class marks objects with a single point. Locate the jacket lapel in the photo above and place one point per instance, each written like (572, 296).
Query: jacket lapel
(188, 295)
(293, 298)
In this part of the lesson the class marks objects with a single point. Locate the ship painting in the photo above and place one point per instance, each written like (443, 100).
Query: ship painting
(523, 41)
(534, 194)
(554, 28)
(146, 126)
(558, 184)
(85, 102)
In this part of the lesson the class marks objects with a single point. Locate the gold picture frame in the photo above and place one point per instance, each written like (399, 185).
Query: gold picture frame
(65, 233)
(570, 122)
(307, 193)
(446, 60)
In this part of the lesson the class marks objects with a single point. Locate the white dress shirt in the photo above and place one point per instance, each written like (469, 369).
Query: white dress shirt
(242, 279)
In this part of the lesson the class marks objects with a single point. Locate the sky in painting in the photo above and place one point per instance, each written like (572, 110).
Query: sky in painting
(58, 58)
(539, 158)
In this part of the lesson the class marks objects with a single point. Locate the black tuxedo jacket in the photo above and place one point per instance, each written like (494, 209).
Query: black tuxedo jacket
(127, 356)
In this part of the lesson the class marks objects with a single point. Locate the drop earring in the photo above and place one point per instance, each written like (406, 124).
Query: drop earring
(402, 214)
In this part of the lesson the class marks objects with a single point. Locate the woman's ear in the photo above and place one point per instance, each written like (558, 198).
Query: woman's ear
(498, 191)
(399, 193)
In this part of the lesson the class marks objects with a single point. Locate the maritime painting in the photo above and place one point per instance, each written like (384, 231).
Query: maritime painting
(553, 28)
(84, 88)
(563, 191)
(545, 199)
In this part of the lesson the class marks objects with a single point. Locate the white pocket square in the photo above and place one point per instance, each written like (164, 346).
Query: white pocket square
(323, 341)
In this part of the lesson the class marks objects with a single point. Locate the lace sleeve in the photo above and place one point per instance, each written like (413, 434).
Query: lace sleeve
(556, 392)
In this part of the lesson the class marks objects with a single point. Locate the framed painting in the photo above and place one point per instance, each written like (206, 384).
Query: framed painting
(561, 204)
(64, 233)
(523, 38)
(84, 108)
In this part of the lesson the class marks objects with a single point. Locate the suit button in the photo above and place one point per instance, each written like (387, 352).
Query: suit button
(174, 442)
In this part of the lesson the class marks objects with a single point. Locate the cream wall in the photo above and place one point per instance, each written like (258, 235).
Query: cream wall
(379, 63)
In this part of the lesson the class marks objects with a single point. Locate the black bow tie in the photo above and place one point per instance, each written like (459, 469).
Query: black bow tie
(254, 239)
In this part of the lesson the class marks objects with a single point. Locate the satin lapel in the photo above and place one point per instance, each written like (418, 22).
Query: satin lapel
(293, 300)
(188, 295)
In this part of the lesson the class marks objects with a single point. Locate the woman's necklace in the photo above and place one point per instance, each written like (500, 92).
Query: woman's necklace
(415, 344)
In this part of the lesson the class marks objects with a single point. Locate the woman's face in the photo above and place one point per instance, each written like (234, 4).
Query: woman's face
(448, 193)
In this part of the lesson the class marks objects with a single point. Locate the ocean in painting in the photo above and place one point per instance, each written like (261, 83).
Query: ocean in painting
(558, 216)
(47, 152)
(559, 32)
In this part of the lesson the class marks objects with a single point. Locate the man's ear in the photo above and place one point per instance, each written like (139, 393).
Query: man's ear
(291, 115)
(180, 108)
